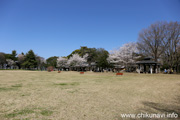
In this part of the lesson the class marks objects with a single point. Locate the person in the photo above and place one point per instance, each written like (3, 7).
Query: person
(165, 71)
(171, 71)
(168, 71)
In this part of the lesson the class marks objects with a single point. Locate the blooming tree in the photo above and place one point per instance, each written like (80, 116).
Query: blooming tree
(10, 63)
(77, 61)
(115, 57)
(21, 58)
(128, 53)
(124, 55)
(62, 62)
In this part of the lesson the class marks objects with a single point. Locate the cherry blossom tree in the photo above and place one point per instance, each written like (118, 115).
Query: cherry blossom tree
(128, 53)
(77, 61)
(124, 56)
(21, 58)
(62, 62)
(115, 57)
(10, 63)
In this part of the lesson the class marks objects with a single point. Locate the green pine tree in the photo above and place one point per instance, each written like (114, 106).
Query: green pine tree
(30, 60)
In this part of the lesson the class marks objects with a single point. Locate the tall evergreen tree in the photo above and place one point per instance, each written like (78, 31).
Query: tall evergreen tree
(13, 55)
(30, 60)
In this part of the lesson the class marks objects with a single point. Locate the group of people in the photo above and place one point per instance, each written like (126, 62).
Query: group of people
(170, 71)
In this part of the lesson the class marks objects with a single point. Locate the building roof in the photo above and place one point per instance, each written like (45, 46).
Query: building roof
(147, 61)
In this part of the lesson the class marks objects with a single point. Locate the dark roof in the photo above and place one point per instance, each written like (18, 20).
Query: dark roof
(147, 58)
(147, 62)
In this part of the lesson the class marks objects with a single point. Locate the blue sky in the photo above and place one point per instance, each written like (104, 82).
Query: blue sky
(57, 27)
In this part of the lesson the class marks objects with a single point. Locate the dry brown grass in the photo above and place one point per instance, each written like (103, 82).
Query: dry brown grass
(27, 95)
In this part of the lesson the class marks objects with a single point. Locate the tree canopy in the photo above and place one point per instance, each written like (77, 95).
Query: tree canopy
(160, 41)
(30, 60)
(52, 61)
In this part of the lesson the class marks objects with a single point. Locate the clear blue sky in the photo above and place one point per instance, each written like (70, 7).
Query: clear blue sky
(57, 27)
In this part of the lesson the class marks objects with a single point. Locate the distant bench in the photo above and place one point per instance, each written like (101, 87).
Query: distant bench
(81, 72)
(119, 73)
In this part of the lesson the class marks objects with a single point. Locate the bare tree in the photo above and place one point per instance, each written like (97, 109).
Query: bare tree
(151, 41)
(160, 41)
(171, 56)
(40, 62)
(178, 59)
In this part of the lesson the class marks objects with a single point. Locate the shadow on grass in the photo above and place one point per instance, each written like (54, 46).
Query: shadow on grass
(169, 110)
(162, 108)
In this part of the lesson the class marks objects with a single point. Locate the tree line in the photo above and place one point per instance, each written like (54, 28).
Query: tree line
(160, 41)
(21, 61)
(32, 61)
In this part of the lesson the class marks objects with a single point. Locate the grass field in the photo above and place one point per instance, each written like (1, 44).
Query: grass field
(34, 95)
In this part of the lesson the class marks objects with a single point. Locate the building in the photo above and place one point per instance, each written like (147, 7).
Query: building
(148, 66)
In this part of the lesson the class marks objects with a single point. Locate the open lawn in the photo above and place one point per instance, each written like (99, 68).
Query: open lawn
(35, 95)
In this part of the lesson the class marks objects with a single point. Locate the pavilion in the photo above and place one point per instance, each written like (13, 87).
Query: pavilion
(148, 66)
